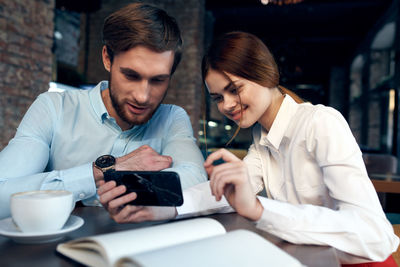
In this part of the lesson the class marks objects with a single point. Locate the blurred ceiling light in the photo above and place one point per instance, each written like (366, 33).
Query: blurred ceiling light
(392, 96)
(280, 2)
(212, 124)
(58, 35)
(228, 127)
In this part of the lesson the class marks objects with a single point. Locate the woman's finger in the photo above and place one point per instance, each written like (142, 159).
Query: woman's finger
(220, 154)
(209, 169)
(216, 172)
(225, 178)
(235, 171)
(236, 167)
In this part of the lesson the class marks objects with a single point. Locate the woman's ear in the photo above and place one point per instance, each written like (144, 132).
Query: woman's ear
(106, 59)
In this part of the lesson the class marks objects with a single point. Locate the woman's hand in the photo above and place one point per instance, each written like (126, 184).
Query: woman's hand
(232, 180)
(113, 200)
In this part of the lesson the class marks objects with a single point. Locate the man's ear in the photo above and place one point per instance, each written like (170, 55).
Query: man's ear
(106, 59)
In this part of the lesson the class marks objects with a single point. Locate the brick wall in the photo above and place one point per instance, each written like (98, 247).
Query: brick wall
(26, 39)
(186, 86)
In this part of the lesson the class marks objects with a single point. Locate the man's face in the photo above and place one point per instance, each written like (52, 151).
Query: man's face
(139, 79)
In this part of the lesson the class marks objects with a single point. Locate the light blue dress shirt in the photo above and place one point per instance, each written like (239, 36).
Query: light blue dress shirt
(63, 133)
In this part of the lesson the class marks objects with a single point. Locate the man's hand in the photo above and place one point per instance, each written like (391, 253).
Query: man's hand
(232, 180)
(143, 159)
(121, 212)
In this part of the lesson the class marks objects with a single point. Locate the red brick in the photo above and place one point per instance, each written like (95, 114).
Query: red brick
(26, 30)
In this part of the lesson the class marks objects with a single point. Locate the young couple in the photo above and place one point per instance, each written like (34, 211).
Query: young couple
(304, 155)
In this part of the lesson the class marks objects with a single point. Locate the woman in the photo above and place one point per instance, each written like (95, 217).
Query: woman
(305, 155)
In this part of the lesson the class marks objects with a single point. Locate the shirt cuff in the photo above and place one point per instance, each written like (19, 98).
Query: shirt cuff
(197, 200)
(276, 215)
(80, 181)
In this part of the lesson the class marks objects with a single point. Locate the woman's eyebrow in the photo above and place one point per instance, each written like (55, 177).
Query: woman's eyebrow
(228, 86)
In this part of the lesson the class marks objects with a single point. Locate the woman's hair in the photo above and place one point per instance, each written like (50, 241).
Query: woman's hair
(142, 24)
(244, 55)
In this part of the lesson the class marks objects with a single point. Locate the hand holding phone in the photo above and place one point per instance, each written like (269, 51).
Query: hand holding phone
(152, 188)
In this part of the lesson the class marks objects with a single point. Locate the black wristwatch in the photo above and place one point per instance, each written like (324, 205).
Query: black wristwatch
(105, 163)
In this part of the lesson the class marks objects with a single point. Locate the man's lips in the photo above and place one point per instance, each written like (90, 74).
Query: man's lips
(137, 110)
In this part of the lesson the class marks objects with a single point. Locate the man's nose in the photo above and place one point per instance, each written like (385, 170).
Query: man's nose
(142, 92)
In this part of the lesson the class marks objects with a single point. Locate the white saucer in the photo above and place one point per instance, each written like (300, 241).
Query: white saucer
(9, 229)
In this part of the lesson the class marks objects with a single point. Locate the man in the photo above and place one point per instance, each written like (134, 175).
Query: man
(62, 134)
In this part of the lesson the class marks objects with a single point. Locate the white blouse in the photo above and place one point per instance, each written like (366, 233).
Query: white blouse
(317, 185)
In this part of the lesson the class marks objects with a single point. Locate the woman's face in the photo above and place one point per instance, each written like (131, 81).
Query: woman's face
(225, 89)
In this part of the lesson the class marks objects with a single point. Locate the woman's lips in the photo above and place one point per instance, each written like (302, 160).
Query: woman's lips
(237, 114)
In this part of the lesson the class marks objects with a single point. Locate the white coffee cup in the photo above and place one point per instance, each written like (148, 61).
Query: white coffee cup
(41, 211)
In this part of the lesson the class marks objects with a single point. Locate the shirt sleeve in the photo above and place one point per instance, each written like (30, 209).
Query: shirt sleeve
(181, 146)
(356, 226)
(24, 160)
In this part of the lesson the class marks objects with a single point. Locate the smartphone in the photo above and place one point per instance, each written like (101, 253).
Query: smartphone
(153, 188)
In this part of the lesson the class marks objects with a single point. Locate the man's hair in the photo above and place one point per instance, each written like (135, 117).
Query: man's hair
(141, 24)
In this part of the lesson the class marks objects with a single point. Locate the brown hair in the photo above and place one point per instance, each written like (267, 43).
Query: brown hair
(142, 24)
(245, 55)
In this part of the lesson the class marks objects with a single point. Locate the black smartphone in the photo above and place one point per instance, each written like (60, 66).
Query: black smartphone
(153, 188)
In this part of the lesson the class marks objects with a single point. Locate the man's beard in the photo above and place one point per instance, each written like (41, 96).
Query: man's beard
(118, 107)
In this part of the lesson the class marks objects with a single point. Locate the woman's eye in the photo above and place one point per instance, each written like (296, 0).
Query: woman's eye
(216, 99)
(235, 90)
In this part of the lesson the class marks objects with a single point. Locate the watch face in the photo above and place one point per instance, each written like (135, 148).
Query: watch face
(105, 161)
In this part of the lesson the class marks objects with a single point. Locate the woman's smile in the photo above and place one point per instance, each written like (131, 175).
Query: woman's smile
(237, 114)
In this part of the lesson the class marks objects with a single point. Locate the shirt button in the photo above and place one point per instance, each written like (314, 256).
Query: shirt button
(81, 195)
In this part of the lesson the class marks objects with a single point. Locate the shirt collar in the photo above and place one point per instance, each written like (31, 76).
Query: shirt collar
(281, 123)
(97, 102)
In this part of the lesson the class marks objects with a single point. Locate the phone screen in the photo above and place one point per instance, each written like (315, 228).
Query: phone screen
(152, 188)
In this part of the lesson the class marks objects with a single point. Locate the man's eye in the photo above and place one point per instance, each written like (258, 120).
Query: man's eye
(156, 80)
(132, 77)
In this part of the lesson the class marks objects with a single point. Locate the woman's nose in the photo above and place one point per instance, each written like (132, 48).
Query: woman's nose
(230, 103)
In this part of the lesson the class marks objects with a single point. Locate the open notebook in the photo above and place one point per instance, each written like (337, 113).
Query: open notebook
(194, 242)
